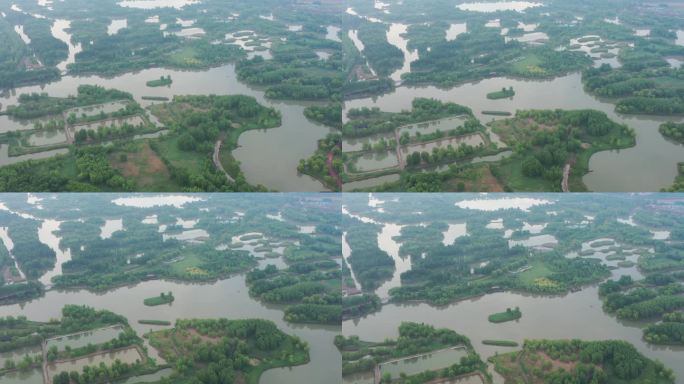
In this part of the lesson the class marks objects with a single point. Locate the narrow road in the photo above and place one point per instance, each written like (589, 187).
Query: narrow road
(333, 173)
(217, 159)
(566, 176)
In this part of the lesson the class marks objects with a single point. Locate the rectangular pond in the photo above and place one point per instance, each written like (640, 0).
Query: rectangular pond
(46, 138)
(34, 376)
(473, 140)
(356, 144)
(428, 362)
(82, 339)
(376, 161)
(128, 356)
(443, 125)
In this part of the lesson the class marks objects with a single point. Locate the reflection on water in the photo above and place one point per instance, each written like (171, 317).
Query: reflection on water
(654, 158)
(224, 299)
(568, 315)
(278, 170)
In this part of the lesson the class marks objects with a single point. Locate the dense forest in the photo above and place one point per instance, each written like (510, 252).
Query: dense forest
(310, 290)
(225, 350)
(592, 362)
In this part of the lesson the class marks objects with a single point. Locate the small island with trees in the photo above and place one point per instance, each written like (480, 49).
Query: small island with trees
(163, 81)
(163, 298)
(508, 315)
(504, 93)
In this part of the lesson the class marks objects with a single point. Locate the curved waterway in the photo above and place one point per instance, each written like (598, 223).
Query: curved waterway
(576, 315)
(268, 157)
(224, 299)
(649, 166)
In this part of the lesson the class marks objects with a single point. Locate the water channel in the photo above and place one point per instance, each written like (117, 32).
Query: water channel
(268, 157)
(649, 166)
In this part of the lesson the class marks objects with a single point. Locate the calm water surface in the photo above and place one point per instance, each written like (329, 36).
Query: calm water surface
(649, 166)
(268, 157)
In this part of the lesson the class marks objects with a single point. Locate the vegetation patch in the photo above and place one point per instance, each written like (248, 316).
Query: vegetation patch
(545, 361)
(232, 350)
(508, 315)
(163, 298)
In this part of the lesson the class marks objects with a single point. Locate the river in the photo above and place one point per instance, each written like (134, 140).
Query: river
(268, 157)
(574, 315)
(226, 298)
(649, 166)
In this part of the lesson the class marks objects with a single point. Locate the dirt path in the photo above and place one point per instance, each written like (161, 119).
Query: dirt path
(565, 187)
(566, 176)
(331, 170)
(402, 162)
(217, 159)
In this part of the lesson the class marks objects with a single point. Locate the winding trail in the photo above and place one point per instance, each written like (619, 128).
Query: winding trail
(331, 170)
(565, 184)
(217, 159)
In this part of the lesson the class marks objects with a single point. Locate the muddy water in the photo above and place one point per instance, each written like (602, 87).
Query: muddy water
(268, 157)
(226, 298)
(649, 166)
